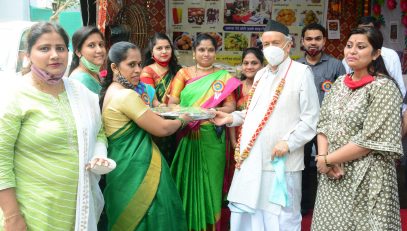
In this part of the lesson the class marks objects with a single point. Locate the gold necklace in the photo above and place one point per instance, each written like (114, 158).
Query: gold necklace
(246, 88)
(196, 70)
(203, 68)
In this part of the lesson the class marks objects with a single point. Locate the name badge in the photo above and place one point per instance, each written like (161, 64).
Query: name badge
(145, 98)
(326, 86)
(217, 87)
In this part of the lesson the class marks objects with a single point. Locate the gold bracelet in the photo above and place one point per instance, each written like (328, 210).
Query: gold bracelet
(183, 122)
(326, 162)
(323, 154)
(11, 216)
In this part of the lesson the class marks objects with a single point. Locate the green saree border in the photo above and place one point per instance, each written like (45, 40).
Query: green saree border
(142, 199)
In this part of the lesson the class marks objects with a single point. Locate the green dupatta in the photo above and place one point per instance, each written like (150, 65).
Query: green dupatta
(139, 193)
(200, 90)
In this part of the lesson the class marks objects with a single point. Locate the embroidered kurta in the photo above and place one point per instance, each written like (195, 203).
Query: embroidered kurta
(366, 198)
(39, 157)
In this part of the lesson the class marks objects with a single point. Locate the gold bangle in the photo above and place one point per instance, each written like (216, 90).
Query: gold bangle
(183, 122)
(323, 154)
(11, 216)
(326, 162)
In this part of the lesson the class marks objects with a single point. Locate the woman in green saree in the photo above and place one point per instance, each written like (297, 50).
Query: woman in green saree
(199, 162)
(140, 194)
(160, 66)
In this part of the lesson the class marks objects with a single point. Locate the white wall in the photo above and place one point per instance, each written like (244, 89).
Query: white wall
(12, 10)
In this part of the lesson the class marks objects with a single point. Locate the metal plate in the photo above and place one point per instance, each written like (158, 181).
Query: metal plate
(196, 113)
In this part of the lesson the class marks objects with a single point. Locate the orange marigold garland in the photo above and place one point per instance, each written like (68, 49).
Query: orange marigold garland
(240, 158)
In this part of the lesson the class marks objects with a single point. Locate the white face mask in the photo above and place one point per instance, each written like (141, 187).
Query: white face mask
(274, 55)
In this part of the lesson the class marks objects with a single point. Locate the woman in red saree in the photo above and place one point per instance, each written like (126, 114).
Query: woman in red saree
(199, 161)
(160, 66)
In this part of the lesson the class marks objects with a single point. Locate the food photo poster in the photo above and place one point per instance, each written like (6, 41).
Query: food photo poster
(334, 29)
(237, 24)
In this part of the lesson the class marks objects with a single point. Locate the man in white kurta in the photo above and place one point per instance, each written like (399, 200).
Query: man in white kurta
(291, 125)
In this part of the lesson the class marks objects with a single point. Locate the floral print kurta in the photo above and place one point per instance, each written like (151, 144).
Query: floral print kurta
(366, 198)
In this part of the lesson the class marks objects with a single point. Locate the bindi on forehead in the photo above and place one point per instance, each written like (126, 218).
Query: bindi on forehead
(358, 40)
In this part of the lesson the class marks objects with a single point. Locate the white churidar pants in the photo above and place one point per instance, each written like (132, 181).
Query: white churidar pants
(267, 217)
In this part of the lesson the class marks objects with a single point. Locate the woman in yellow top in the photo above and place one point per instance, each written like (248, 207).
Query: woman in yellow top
(140, 194)
(199, 161)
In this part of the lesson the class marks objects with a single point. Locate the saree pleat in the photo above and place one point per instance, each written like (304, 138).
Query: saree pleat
(199, 162)
(199, 175)
(152, 202)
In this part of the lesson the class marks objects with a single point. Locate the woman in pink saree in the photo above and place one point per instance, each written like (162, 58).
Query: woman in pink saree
(199, 161)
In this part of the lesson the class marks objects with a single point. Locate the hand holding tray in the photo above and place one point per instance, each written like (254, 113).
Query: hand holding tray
(196, 113)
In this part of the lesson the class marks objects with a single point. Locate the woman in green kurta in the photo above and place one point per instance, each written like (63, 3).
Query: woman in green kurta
(140, 194)
(50, 128)
(358, 142)
(88, 56)
(199, 161)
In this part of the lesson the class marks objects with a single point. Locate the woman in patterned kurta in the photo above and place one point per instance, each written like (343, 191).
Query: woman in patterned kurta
(50, 128)
(359, 139)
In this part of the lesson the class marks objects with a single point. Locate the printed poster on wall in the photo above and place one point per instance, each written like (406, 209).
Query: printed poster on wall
(237, 24)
